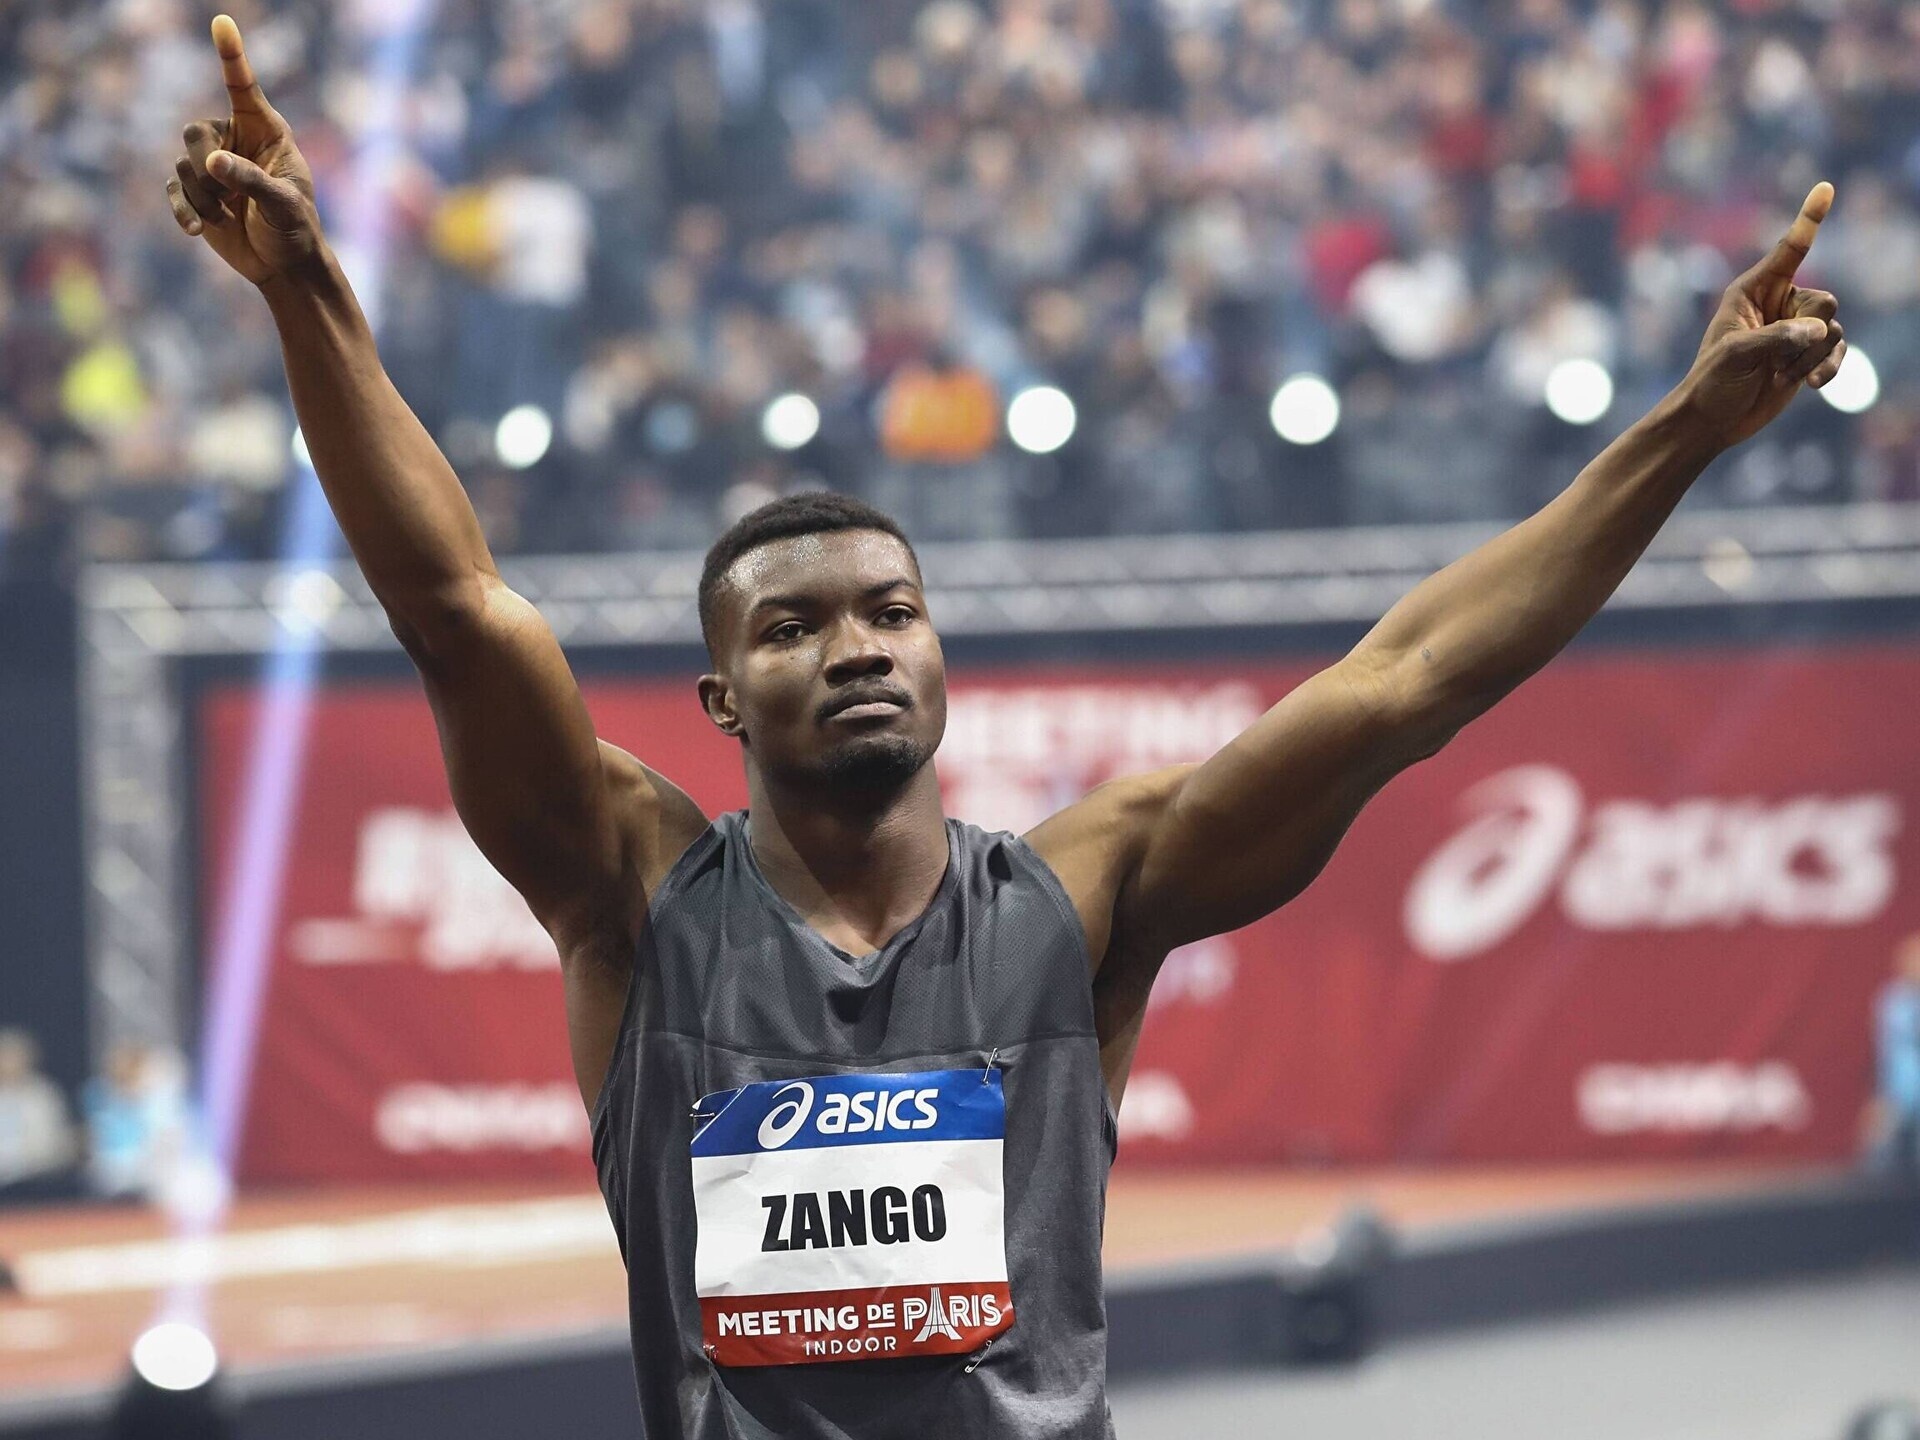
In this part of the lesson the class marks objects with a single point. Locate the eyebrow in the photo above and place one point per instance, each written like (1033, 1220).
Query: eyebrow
(801, 602)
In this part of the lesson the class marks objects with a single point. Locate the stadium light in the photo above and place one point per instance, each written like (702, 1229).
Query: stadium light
(175, 1356)
(522, 437)
(174, 1391)
(1305, 410)
(1579, 391)
(1040, 419)
(789, 421)
(1728, 564)
(304, 600)
(1855, 388)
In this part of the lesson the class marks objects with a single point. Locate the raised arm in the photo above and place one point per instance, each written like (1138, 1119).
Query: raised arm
(579, 828)
(1159, 860)
(1248, 830)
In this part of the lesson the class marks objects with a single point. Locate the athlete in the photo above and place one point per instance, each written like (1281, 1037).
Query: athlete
(852, 1065)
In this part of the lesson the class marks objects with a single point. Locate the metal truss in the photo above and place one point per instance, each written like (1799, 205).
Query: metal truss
(136, 621)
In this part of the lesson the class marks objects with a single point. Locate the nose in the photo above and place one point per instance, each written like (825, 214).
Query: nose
(856, 653)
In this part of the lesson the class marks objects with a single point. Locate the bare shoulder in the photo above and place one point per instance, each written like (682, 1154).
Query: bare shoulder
(658, 820)
(1096, 843)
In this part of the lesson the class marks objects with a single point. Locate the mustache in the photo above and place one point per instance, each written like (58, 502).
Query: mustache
(865, 695)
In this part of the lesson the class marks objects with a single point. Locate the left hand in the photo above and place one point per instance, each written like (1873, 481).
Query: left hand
(1767, 338)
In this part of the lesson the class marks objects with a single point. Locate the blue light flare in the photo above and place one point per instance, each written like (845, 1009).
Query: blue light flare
(249, 896)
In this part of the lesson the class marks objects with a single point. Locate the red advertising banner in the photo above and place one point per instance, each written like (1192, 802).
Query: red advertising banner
(1639, 910)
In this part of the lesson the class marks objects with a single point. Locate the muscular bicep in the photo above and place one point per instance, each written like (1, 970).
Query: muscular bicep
(1250, 829)
(579, 827)
(1154, 861)
(523, 763)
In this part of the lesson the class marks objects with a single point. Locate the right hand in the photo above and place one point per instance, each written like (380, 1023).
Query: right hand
(243, 184)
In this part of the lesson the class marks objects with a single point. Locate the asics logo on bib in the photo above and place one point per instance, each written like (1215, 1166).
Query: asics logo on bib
(843, 1114)
(787, 1115)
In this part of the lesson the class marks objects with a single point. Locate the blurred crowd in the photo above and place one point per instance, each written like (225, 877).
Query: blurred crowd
(651, 218)
(136, 1137)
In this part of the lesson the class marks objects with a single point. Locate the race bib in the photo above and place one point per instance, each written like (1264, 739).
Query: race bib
(851, 1217)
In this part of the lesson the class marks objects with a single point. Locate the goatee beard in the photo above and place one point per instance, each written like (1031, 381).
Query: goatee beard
(875, 765)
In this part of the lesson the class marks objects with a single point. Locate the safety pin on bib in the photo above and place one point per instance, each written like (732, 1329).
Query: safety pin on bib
(978, 1355)
(986, 1077)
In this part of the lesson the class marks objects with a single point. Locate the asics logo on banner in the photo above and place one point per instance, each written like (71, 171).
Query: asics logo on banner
(784, 1120)
(1486, 881)
(1634, 864)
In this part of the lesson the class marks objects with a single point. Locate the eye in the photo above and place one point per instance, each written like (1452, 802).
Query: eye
(786, 630)
(898, 615)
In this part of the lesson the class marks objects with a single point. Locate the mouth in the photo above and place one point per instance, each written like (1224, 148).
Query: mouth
(868, 710)
(872, 705)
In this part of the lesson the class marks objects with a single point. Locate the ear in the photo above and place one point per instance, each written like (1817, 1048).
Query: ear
(716, 698)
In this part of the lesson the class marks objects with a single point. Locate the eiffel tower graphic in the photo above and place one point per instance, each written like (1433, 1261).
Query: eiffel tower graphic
(937, 1322)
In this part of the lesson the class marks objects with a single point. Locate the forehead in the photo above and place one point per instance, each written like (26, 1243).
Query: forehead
(822, 566)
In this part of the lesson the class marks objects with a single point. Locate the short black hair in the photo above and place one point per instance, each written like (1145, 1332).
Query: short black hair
(812, 512)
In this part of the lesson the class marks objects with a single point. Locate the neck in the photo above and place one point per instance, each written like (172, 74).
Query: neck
(859, 867)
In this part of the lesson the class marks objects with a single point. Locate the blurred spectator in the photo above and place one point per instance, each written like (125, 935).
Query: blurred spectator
(1885, 1420)
(1557, 324)
(651, 217)
(1896, 1106)
(527, 239)
(940, 412)
(138, 1123)
(36, 1134)
(1417, 304)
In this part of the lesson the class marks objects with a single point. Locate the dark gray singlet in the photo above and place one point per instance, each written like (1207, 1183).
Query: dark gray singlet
(731, 986)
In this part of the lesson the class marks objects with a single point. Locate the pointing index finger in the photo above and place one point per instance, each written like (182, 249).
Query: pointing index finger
(243, 90)
(1794, 245)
